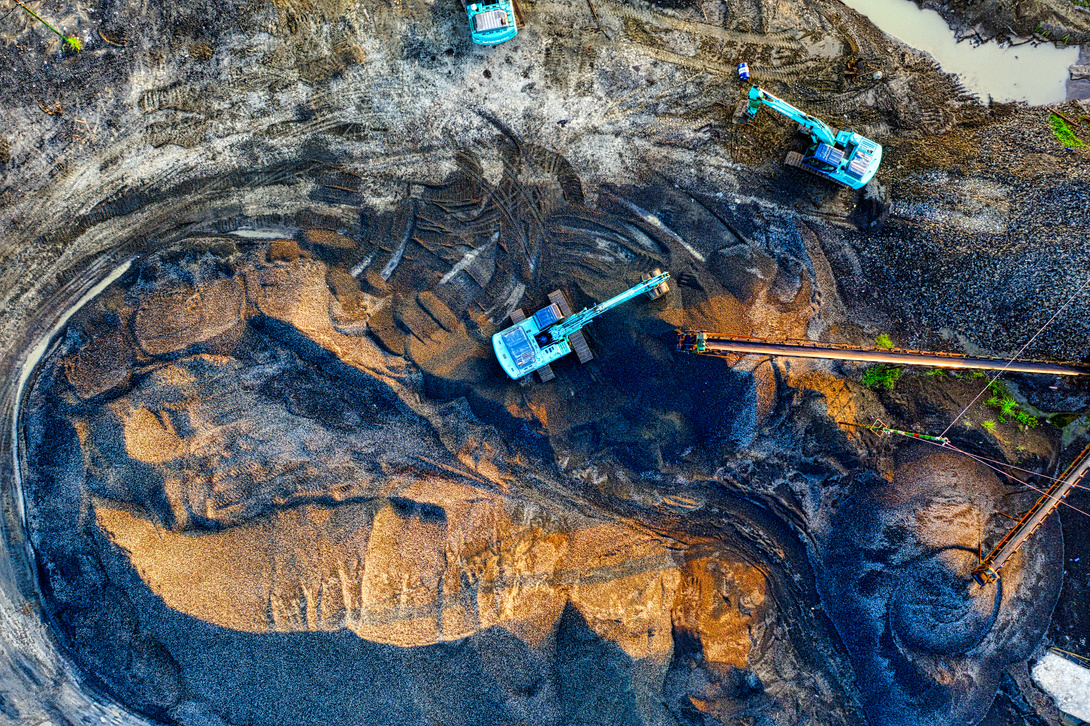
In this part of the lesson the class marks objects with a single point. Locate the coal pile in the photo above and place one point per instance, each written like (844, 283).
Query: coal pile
(930, 642)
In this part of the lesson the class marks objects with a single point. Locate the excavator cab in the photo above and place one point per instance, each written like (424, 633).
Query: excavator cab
(823, 158)
(492, 21)
(545, 317)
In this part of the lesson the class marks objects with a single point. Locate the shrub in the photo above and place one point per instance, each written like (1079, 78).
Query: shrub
(883, 341)
(988, 425)
(1025, 419)
(1002, 401)
(1006, 406)
(881, 377)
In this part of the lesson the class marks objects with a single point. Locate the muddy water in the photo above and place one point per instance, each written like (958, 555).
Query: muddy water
(1035, 74)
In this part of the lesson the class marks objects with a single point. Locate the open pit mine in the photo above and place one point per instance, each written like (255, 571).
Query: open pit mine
(260, 462)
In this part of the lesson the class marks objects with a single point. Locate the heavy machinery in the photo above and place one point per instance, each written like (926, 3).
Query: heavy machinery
(532, 343)
(845, 157)
(491, 21)
(1076, 475)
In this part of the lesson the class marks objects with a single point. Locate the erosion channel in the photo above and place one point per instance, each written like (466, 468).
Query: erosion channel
(261, 465)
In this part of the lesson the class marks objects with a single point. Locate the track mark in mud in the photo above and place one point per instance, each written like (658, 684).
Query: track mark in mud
(568, 68)
(716, 50)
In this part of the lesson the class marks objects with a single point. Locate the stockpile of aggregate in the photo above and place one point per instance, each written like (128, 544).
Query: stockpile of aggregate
(276, 475)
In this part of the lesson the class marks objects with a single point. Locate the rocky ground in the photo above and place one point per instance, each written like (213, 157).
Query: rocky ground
(273, 474)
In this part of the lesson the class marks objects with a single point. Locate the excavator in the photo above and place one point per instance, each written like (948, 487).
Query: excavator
(845, 157)
(491, 22)
(532, 343)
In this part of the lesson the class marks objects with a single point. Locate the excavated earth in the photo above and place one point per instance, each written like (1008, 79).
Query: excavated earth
(261, 467)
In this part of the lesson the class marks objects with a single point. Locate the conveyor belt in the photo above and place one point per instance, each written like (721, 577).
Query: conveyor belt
(724, 345)
(988, 569)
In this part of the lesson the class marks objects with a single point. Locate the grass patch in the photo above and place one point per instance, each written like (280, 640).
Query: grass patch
(881, 377)
(884, 341)
(1007, 408)
(1063, 133)
(988, 425)
(1025, 419)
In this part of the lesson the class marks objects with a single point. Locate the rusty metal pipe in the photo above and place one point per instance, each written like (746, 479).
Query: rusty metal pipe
(988, 569)
(715, 344)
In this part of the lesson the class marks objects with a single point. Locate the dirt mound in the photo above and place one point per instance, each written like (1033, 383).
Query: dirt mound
(896, 581)
(256, 462)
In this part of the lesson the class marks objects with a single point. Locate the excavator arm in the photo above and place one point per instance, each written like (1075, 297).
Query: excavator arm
(818, 130)
(563, 328)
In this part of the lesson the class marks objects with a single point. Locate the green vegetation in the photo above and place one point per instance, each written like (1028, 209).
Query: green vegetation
(881, 377)
(1009, 408)
(988, 425)
(970, 374)
(71, 43)
(884, 341)
(1025, 418)
(1063, 133)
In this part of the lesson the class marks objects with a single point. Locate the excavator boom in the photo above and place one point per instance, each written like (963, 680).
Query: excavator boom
(569, 325)
(815, 127)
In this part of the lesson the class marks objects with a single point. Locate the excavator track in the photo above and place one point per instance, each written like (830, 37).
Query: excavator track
(557, 298)
(579, 345)
(577, 341)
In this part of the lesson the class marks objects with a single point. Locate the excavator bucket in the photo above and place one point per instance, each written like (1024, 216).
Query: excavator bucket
(660, 290)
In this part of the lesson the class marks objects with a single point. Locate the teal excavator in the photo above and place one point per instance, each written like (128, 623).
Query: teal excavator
(534, 342)
(842, 156)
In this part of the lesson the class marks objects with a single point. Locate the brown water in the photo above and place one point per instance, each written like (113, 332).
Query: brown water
(1036, 74)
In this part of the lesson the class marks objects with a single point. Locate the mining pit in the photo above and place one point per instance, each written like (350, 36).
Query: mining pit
(261, 464)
